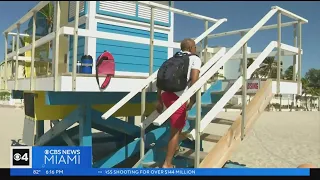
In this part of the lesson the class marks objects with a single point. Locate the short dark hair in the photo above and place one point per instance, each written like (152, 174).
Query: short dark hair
(185, 44)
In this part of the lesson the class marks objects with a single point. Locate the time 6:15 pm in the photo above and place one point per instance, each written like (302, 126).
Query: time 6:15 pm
(51, 172)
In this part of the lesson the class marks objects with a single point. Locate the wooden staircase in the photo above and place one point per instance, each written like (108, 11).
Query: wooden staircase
(224, 145)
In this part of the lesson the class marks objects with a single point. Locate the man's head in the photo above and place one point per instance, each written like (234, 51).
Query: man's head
(188, 45)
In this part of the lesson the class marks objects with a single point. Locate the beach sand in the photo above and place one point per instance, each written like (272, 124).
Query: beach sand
(278, 139)
(281, 139)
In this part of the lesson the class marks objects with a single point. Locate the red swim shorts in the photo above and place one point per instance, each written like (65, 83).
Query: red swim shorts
(178, 118)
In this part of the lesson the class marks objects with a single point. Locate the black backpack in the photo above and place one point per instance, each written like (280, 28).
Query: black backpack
(172, 75)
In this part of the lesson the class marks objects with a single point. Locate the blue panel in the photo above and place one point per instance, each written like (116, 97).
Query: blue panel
(39, 129)
(206, 97)
(64, 124)
(116, 124)
(122, 44)
(132, 57)
(134, 18)
(17, 94)
(157, 153)
(81, 14)
(85, 134)
(81, 44)
(130, 149)
(105, 129)
(72, 98)
(131, 119)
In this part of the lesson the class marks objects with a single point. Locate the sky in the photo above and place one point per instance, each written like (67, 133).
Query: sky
(240, 15)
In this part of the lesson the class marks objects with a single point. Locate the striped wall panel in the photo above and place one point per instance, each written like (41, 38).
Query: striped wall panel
(121, 7)
(133, 11)
(72, 9)
(132, 57)
(159, 15)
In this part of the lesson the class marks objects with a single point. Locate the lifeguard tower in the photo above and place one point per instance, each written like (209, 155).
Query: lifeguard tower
(140, 36)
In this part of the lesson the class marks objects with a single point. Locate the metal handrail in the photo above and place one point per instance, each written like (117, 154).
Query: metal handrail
(151, 78)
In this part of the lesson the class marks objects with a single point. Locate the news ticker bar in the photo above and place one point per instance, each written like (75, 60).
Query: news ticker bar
(161, 172)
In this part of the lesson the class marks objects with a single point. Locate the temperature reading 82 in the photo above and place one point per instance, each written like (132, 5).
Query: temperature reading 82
(36, 171)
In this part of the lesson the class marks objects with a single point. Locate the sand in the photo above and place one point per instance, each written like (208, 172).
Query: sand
(282, 139)
(278, 139)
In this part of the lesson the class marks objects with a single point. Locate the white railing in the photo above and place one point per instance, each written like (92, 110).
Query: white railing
(164, 116)
(212, 62)
(206, 74)
(195, 133)
(206, 120)
(83, 32)
(75, 32)
(196, 86)
(153, 76)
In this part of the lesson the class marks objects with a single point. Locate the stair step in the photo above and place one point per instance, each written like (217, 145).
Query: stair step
(206, 107)
(216, 121)
(188, 153)
(151, 164)
(239, 92)
(205, 136)
(230, 106)
(210, 137)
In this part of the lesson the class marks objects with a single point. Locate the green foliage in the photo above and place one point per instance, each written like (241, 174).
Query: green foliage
(311, 82)
(48, 12)
(5, 95)
(313, 77)
(288, 74)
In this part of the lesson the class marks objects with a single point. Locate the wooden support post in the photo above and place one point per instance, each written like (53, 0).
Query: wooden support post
(222, 151)
(75, 47)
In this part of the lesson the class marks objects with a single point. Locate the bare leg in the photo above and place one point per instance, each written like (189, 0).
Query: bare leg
(172, 147)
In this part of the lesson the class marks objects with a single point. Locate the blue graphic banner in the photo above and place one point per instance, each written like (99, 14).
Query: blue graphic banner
(161, 172)
(61, 157)
(77, 161)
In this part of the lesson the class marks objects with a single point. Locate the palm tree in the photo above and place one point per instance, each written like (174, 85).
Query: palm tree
(255, 74)
(269, 68)
(48, 13)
